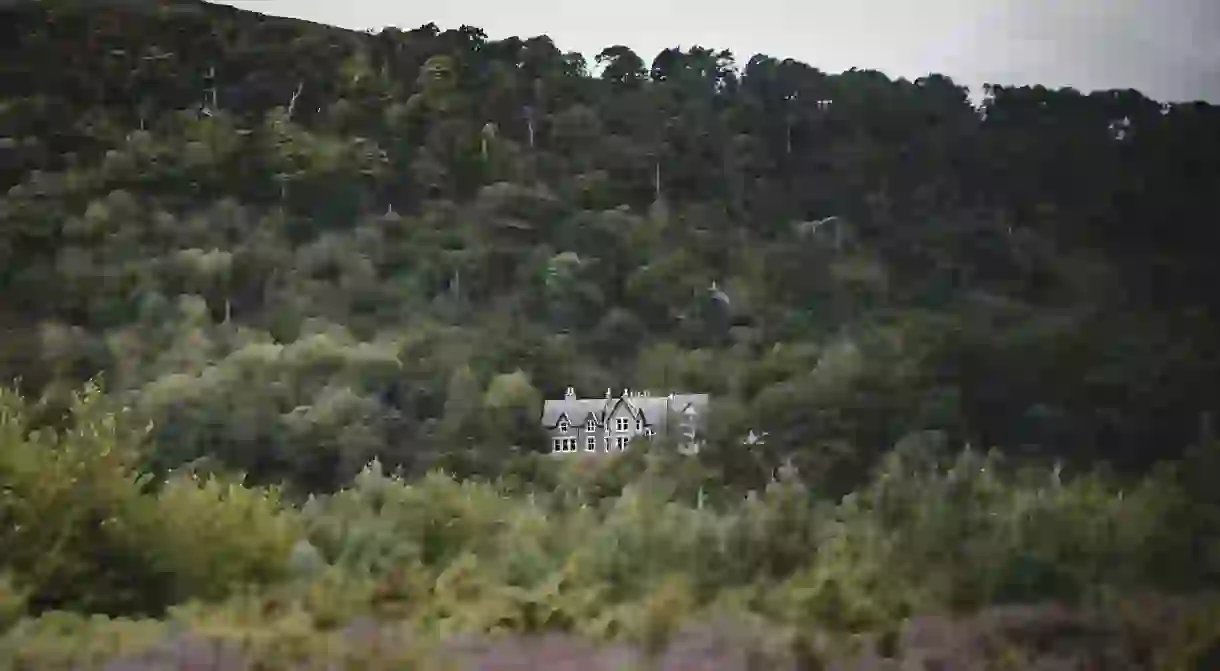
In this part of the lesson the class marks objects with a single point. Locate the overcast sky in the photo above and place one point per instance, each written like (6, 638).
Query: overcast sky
(1168, 49)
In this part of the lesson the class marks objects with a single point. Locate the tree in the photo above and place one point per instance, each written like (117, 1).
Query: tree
(511, 407)
(621, 65)
(462, 406)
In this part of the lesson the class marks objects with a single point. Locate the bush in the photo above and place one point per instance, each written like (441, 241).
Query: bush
(84, 531)
(216, 533)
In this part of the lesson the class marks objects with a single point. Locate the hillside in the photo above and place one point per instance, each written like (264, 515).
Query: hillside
(292, 250)
(187, 188)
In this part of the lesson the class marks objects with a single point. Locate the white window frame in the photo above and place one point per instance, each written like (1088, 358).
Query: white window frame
(622, 424)
(621, 442)
(591, 425)
(650, 432)
(639, 425)
(564, 426)
(591, 444)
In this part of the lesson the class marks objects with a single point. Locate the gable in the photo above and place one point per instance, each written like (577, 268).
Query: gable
(621, 408)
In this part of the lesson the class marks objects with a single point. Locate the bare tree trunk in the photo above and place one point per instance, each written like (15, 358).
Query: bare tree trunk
(292, 104)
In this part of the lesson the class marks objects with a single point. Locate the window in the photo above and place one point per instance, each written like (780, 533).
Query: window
(563, 444)
(622, 423)
(639, 425)
(591, 425)
(650, 432)
(564, 426)
(590, 444)
(621, 442)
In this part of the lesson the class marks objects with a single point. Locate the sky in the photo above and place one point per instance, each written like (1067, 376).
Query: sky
(1167, 49)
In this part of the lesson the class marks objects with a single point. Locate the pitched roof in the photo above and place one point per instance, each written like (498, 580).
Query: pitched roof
(575, 409)
(655, 409)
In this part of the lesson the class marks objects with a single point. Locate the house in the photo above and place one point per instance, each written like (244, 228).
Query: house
(609, 424)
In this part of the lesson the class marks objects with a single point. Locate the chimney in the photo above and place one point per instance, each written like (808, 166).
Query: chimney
(570, 393)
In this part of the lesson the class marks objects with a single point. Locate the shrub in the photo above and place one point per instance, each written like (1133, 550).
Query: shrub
(215, 533)
(84, 531)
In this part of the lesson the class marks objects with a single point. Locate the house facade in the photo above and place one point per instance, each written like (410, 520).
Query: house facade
(610, 424)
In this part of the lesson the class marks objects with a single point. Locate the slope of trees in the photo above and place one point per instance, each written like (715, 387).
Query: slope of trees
(292, 250)
(367, 224)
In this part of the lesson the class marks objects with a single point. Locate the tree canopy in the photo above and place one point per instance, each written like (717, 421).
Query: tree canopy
(296, 247)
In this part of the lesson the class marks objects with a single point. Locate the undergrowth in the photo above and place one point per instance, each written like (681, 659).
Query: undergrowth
(102, 561)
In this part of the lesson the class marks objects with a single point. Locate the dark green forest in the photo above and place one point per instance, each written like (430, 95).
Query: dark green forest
(280, 302)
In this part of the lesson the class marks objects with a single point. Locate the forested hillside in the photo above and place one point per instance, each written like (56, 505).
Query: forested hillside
(289, 250)
(298, 247)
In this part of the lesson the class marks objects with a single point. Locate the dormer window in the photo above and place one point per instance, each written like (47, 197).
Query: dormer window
(639, 425)
(591, 425)
(564, 426)
(622, 423)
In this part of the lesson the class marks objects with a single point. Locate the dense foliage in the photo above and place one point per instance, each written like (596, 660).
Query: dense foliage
(293, 250)
(624, 548)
